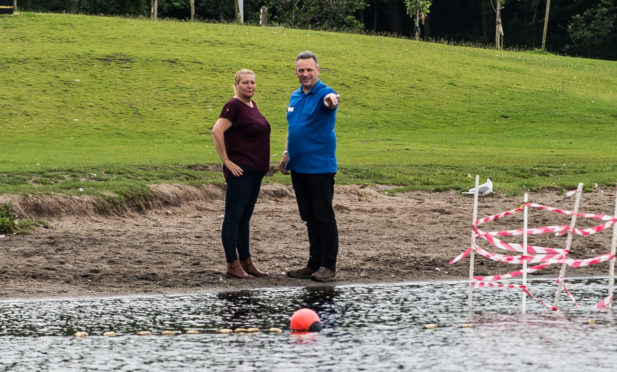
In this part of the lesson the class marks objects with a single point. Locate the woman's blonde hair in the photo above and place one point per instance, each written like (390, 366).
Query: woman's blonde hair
(239, 74)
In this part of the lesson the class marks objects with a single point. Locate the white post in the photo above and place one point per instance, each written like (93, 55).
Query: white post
(611, 270)
(525, 222)
(241, 6)
(562, 272)
(472, 254)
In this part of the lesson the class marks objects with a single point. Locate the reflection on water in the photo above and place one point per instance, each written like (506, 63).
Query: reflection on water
(376, 327)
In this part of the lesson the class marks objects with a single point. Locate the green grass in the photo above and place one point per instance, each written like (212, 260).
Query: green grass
(134, 101)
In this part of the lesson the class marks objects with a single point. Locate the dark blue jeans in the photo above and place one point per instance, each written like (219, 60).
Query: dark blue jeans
(314, 194)
(240, 198)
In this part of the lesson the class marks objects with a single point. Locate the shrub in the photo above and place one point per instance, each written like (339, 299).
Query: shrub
(8, 222)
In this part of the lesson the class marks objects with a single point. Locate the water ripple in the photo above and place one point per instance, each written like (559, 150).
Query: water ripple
(371, 327)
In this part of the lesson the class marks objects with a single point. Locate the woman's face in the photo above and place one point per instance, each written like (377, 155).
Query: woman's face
(245, 87)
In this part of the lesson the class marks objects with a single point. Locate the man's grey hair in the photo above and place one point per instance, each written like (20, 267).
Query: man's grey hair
(306, 55)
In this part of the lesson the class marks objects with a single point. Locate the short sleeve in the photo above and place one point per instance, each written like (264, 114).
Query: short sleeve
(229, 111)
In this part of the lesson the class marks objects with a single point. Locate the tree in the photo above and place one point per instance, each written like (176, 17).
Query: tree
(180, 9)
(111, 7)
(322, 14)
(594, 32)
(417, 9)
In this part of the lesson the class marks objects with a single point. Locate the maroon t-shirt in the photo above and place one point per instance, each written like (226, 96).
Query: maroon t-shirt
(247, 141)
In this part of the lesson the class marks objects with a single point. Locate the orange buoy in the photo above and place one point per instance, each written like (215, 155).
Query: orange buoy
(305, 320)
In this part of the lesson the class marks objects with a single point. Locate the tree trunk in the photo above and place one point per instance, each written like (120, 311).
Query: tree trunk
(548, 8)
(417, 31)
(375, 16)
(393, 18)
(238, 4)
(498, 28)
(74, 6)
(154, 9)
(426, 27)
(487, 13)
(14, 5)
(534, 17)
(192, 2)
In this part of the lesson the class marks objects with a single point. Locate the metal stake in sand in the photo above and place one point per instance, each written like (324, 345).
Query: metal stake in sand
(562, 272)
(472, 254)
(525, 223)
(611, 269)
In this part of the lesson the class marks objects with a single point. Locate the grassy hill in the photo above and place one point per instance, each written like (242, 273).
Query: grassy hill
(109, 105)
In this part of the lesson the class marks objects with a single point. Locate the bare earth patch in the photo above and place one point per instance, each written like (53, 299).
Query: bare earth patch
(171, 242)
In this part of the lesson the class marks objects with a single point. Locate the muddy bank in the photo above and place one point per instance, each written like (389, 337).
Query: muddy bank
(170, 242)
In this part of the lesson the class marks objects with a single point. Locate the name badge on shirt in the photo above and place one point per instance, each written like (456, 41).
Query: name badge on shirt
(290, 109)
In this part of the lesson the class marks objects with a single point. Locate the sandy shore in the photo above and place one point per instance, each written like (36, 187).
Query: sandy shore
(171, 243)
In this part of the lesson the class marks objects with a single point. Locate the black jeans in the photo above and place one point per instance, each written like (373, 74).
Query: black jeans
(240, 198)
(314, 194)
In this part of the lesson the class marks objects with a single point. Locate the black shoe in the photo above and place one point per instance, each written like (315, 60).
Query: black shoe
(303, 273)
(324, 275)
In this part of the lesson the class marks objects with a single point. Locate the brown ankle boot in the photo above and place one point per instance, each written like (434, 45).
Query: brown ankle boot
(235, 270)
(249, 268)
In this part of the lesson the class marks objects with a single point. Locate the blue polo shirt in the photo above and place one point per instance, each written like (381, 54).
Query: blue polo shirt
(311, 140)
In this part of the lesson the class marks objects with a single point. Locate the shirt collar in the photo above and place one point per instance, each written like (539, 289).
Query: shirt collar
(313, 90)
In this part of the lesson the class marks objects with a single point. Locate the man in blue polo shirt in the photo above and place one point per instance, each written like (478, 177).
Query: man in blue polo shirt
(310, 156)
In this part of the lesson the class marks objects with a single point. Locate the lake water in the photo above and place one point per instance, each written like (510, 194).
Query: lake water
(366, 327)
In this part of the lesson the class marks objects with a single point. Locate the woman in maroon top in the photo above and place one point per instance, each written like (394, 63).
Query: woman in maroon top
(242, 139)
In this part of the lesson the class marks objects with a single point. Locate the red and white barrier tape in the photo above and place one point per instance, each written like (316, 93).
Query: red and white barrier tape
(511, 275)
(461, 256)
(561, 279)
(571, 192)
(544, 255)
(498, 215)
(517, 260)
(594, 216)
(549, 259)
(604, 304)
(514, 247)
(559, 229)
(481, 284)
(589, 261)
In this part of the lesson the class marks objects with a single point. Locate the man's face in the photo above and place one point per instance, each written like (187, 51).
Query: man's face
(307, 73)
